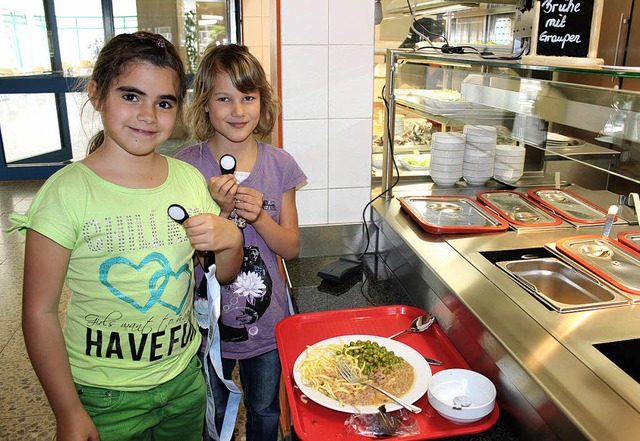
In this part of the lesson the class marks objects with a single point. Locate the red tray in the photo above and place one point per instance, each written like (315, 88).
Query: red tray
(557, 209)
(312, 421)
(486, 197)
(628, 256)
(487, 221)
(630, 239)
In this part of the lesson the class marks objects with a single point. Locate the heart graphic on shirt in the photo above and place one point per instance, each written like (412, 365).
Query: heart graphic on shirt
(159, 281)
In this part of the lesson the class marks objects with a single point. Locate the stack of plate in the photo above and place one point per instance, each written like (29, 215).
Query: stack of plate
(557, 140)
(479, 154)
(508, 166)
(447, 154)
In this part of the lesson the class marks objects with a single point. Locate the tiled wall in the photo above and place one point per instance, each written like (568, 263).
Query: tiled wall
(256, 30)
(327, 93)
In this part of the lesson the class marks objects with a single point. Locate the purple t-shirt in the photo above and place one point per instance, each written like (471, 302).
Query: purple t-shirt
(256, 300)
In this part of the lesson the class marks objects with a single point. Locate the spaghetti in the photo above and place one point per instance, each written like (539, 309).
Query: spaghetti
(371, 361)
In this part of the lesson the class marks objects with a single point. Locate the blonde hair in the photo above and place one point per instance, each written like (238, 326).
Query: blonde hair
(247, 75)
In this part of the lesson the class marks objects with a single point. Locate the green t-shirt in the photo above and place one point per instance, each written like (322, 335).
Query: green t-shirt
(129, 322)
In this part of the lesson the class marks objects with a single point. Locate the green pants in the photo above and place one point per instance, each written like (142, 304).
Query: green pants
(169, 412)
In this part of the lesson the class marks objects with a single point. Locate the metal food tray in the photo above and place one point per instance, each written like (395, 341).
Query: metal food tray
(561, 286)
(569, 205)
(451, 214)
(517, 209)
(630, 239)
(606, 258)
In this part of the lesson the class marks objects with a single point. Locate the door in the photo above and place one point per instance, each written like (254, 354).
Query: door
(33, 130)
(47, 49)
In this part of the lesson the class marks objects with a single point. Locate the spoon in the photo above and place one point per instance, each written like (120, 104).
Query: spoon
(419, 324)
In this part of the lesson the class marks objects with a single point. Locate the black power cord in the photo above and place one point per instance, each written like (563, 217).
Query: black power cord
(395, 166)
(446, 48)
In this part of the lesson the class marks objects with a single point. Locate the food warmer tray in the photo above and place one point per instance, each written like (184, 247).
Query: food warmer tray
(569, 205)
(606, 258)
(451, 214)
(562, 286)
(630, 239)
(313, 422)
(517, 209)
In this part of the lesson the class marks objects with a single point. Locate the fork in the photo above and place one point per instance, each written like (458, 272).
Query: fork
(352, 377)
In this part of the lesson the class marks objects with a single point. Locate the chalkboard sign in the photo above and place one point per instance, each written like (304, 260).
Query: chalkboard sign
(564, 27)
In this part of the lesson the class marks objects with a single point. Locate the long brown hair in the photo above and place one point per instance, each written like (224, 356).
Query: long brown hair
(247, 75)
(123, 50)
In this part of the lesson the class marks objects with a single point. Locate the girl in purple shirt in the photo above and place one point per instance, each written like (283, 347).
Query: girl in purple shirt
(232, 103)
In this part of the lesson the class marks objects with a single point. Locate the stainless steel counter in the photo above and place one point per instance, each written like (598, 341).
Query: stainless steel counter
(550, 377)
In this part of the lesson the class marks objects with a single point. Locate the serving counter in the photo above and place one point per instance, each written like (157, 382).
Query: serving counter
(560, 375)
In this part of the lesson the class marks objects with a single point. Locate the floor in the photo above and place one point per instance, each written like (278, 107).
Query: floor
(24, 410)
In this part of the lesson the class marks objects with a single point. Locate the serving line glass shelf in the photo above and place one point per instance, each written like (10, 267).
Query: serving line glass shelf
(465, 60)
(525, 101)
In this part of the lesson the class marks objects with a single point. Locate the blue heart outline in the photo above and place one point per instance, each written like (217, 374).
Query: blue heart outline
(157, 283)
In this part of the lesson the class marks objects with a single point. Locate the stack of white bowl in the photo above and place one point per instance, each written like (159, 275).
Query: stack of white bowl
(447, 154)
(508, 166)
(479, 154)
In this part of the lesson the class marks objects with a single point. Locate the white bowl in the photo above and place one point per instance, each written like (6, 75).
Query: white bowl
(476, 154)
(447, 161)
(511, 164)
(476, 180)
(444, 181)
(508, 170)
(446, 173)
(507, 178)
(476, 177)
(447, 168)
(456, 146)
(481, 140)
(488, 159)
(448, 138)
(510, 150)
(479, 130)
(509, 160)
(477, 166)
(482, 147)
(435, 153)
(461, 395)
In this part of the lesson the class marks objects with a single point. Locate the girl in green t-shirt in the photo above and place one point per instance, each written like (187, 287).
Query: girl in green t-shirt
(125, 365)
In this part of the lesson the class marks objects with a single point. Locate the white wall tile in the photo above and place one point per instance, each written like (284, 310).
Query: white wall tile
(251, 8)
(307, 142)
(350, 81)
(349, 152)
(346, 205)
(304, 22)
(258, 53)
(266, 31)
(267, 6)
(266, 61)
(327, 60)
(304, 71)
(351, 22)
(252, 31)
(312, 207)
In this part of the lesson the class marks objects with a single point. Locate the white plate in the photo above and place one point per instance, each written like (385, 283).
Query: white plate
(556, 138)
(422, 374)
